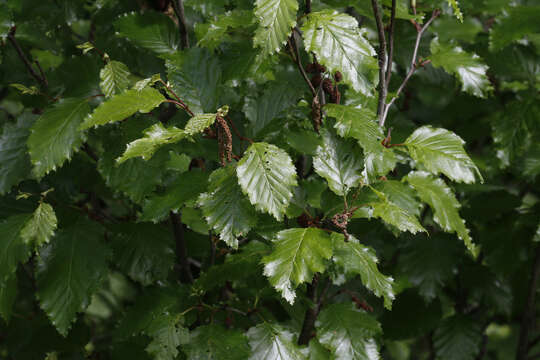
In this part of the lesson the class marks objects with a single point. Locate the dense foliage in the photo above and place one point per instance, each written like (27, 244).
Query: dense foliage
(269, 179)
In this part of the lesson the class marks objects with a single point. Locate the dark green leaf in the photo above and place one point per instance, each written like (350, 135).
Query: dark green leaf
(69, 270)
(339, 162)
(267, 175)
(150, 30)
(457, 338)
(166, 336)
(441, 151)
(55, 136)
(340, 45)
(144, 251)
(518, 21)
(14, 160)
(356, 258)
(444, 204)
(225, 208)
(8, 295)
(14, 247)
(210, 342)
(272, 342)
(298, 254)
(276, 20)
(348, 332)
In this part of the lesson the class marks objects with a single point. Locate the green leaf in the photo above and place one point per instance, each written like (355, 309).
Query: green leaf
(428, 262)
(166, 336)
(400, 194)
(515, 23)
(339, 162)
(32, 90)
(359, 124)
(394, 215)
(267, 175)
(348, 332)
(122, 106)
(14, 248)
(298, 254)
(210, 342)
(272, 342)
(69, 270)
(144, 251)
(195, 76)
(55, 135)
(531, 163)
(356, 258)
(340, 45)
(270, 105)
(225, 208)
(5, 21)
(441, 151)
(276, 20)
(8, 295)
(40, 228)
(469, 68)
(187, 187)
(150, 30)
(457, 338)
(444, 204)
(198, 123)
(214, 33)
(114, 78)
(154, 137)
(14, 160)
(237, 266)
(136, 178)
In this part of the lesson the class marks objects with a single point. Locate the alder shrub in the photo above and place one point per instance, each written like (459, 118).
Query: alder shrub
(269, 179)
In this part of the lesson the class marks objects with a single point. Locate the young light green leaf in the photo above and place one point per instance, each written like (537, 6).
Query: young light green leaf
(216, 342)
(516, 22)
(276, 20)
(114, 78)
(69, 270)
(469, 68)
(124, 105)
(14, 248)
(225, 207)
(14, 159)
(198, 123)
(340, 45)
(348, 332)
(272, 342)
(154, 137)
(195, 76)
(457, 11)
(458, 338)
(338, 161)
(267, 175)
(441, 151)
(8, 295)
(32, 90)
(444, 204)
(150, 30)
(188, 186)
(298, 254)
(141, 84)
(55, 136)
(144, 251)
(40, 228)
(394, 215)
(356, 258)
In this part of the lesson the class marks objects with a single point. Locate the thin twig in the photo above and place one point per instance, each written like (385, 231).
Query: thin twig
(179, 101)
(382, 61)
(236, 132)
(42, 73)
(390, 44)
(11, 37)
(181, 252)
(178, 6)
(413, 65)
(529, 312)
(295, 53)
